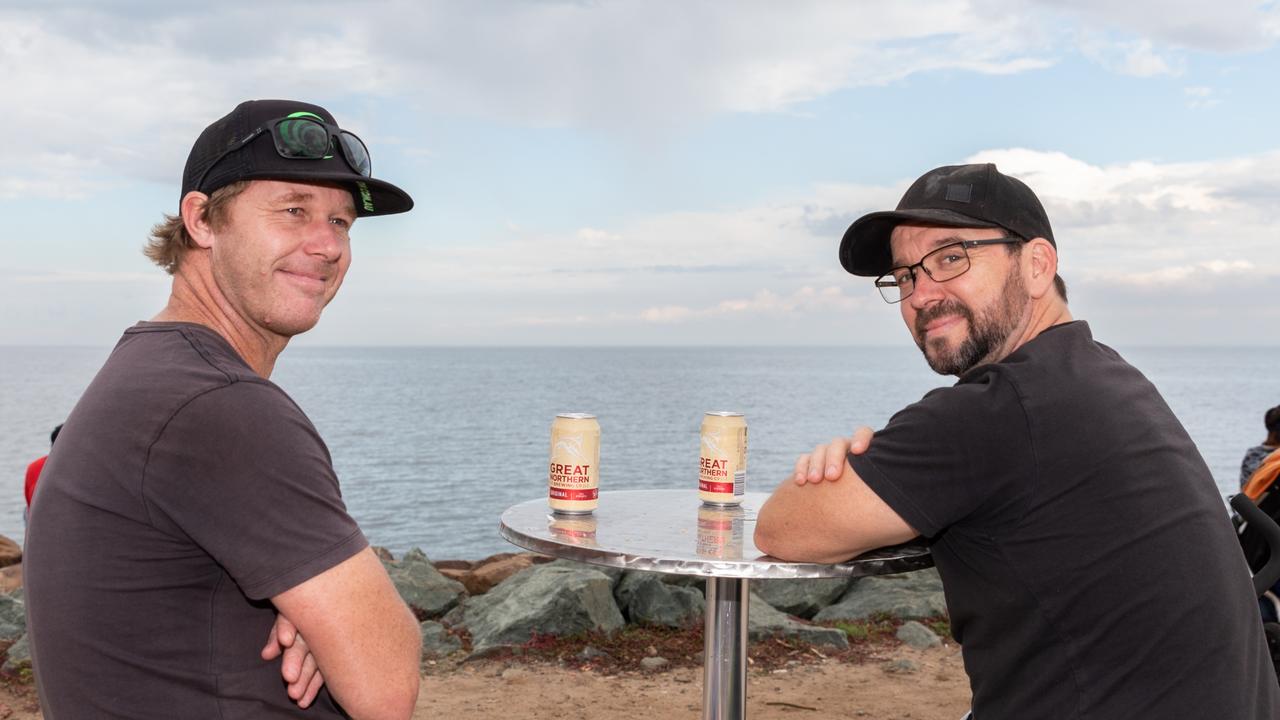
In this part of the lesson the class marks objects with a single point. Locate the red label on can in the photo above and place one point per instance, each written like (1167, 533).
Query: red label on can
(587, 494)
(715, 487)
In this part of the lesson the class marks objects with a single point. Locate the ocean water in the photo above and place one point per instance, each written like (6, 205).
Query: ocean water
(432, 444)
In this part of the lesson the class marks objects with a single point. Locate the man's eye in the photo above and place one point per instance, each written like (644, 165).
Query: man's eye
(902, 278)
(950, 258)
(340, 222)
(294, 210)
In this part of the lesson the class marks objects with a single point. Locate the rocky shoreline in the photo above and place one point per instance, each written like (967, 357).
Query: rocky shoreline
(504, 603)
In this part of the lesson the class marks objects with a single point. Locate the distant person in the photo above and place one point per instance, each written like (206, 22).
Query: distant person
(33, 472)
(191, 511)
(1254, 456)
(1089, 566)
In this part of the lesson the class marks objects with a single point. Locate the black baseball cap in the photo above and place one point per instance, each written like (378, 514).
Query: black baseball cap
(954, 196)
(215, 160)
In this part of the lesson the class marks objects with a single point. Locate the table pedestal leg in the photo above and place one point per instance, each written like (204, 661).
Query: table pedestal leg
(724, 673)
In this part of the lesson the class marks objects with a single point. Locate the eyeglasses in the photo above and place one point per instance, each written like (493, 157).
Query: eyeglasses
(946, 263)
(305, 137)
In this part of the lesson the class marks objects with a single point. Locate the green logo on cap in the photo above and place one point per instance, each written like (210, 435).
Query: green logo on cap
(366, 197)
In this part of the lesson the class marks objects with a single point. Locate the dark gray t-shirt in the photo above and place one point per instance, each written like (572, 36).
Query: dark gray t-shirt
(185, 491)
(1089, 565)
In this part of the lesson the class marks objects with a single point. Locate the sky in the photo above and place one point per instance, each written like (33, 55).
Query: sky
(658, 173)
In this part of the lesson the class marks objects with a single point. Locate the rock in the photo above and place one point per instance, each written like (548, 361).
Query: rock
(11, 578)
(489, 573)
(918, 636)
(646, 600)
(802, 598)
(613, 573)
(697, 582)
(455, 574)
(591, 653)
(653, 664)
(422, 586)
(454, 617)
(436, 640)
(764, 622)
(514, 674)
(443, 565)
(383, 554)
(552, 599)
(902, 666)
(10, 552)
(13, 618)
(18, 657)
(908, 595)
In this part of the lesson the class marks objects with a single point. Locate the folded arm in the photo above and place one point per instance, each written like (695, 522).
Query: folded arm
(365, 640)
(827, 521)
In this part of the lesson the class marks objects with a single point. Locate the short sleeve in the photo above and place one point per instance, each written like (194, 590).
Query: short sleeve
(242, 473)
(962, 453)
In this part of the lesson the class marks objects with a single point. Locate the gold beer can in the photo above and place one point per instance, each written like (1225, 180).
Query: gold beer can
(722, 468)
(574, 471)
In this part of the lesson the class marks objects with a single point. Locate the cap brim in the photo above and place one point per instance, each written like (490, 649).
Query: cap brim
(865, 251)
(377, 197)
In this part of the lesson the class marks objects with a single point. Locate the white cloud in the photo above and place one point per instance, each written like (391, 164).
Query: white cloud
(1200, 97)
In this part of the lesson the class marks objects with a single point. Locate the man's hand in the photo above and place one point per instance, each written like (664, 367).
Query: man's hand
(299, 666)
(826, 462)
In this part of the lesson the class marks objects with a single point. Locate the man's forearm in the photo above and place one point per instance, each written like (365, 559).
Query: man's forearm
(827, 522)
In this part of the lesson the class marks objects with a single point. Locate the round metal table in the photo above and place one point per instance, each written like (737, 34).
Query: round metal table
(671, 531)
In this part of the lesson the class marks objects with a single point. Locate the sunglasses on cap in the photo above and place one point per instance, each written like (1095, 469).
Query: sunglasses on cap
(303, 136)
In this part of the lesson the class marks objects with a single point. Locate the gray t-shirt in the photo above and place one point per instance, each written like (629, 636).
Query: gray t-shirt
(185, 491)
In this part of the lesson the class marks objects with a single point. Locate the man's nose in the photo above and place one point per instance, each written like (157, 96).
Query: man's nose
(326, 240)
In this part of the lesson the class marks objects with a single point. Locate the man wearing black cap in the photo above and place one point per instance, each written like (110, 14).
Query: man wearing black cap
(1089, 566)
(191, 512)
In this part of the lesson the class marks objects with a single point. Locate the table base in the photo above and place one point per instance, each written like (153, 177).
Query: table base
(724, 668)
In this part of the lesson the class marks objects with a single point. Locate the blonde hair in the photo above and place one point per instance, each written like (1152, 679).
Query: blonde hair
(170, 241)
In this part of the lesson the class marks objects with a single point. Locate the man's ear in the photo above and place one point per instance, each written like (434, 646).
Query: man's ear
(1043, 257)
(194, 219)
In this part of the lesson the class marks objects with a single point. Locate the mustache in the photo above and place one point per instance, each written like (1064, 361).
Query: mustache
(942, 309)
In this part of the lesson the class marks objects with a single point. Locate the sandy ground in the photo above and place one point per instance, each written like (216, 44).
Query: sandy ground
(936, 690)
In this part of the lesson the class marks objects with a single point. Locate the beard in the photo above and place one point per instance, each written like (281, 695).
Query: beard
(989, 330)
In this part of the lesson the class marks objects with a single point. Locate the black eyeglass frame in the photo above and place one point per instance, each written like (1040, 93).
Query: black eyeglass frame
(888, 281)
(335, 133)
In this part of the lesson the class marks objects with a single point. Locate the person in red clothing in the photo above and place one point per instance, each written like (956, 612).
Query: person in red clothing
(33, 471)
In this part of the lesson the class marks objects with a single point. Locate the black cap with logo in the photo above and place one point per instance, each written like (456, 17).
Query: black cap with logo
(953, 196)
(287, 140)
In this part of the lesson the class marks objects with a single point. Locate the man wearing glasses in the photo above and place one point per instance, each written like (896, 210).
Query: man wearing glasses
(190, 512)
(1089, 566)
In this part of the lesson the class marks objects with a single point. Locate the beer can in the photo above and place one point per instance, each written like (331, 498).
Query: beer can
(574, 471)
(722, 467)
(720, 531)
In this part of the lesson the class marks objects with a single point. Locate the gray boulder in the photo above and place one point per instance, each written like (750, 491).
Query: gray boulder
(422, 586)
(764, 622)
(615, 574)
(18, 657)
(908, 595)
(802, 598)
(436, 641)
(551, 599)
(647, 600)
(918, 636)
(13, 618)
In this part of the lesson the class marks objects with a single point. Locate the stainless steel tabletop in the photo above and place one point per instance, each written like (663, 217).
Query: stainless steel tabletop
(672, 531)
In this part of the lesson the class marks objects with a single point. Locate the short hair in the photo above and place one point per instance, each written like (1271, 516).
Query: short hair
(1272, 419)
(170, 240)
(1016, 249)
